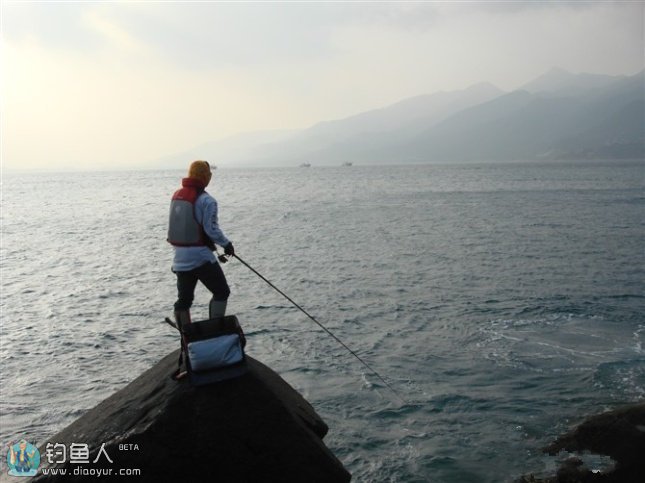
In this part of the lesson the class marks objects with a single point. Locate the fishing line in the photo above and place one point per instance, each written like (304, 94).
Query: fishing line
(323, 327)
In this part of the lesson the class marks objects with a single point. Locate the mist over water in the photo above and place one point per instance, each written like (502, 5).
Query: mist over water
(503, 302)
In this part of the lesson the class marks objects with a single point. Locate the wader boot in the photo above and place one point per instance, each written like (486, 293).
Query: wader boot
(182, 318)
(216, 308)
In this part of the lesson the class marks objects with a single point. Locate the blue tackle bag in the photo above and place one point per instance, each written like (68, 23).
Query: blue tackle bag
(213, 350)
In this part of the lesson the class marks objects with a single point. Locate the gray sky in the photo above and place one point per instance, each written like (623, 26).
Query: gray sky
(99, 85)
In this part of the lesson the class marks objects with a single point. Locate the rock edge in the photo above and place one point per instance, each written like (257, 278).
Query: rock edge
(252, 428)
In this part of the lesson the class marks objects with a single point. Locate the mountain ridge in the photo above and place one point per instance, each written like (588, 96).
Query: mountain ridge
(558, 115)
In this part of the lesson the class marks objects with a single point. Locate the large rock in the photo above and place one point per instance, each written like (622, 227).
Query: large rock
(253, 428)
(619, 434)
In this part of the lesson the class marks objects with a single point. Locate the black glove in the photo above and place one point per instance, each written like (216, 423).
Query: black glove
(229, 250)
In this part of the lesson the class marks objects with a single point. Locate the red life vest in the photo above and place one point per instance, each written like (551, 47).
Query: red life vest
(183, 228)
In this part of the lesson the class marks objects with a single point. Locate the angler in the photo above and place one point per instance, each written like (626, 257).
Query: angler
(193, 230)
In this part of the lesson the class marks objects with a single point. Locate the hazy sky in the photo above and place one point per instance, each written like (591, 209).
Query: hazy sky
(94, 85)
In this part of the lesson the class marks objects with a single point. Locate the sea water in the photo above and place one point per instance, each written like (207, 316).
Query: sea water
(503, 302)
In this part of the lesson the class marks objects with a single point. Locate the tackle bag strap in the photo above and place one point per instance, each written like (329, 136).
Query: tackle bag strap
(182, 350)
(175, 375)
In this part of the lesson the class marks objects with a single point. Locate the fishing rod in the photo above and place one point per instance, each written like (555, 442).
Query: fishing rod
(322, 327)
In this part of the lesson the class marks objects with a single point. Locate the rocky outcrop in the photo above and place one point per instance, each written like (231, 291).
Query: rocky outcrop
(619, 434)
(252, 428)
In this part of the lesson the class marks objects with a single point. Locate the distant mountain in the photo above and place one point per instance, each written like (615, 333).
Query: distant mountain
(415, 113)
(610, 124)
(559, 82)
(332, 142)
(606, 121)
(559, 115)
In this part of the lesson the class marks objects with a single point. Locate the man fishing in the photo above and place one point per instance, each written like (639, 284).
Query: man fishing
(193, 231)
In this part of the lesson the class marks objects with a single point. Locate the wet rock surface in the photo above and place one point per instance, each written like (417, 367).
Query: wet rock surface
(619, 434)
(252, 428)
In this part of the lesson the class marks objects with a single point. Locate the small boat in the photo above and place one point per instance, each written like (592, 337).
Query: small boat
(347, 163)
(305, 165)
